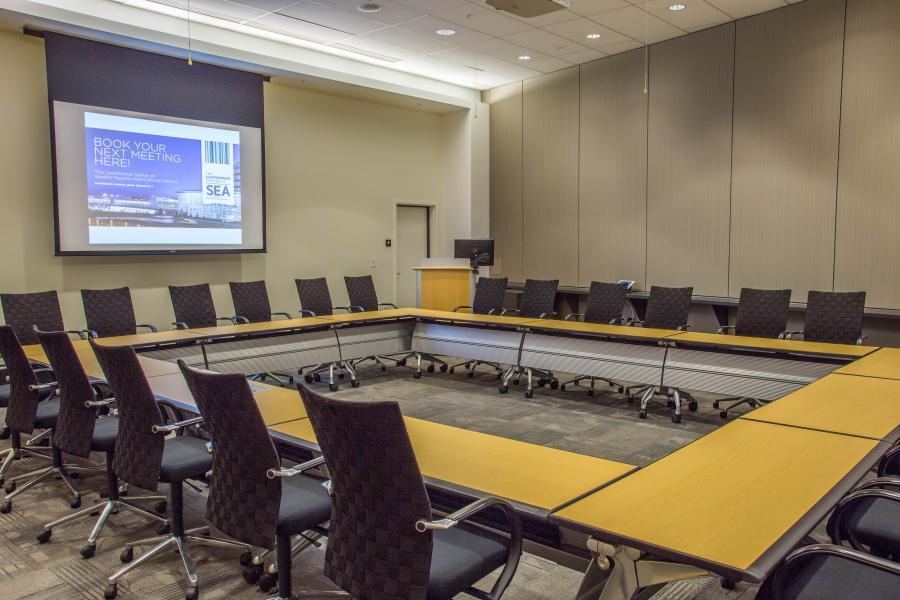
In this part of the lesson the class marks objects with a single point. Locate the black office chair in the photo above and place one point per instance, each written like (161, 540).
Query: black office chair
(363, 298)
(315, 301)
(251, 302)
(868, 518)
(833, 317)
(25, 312)
(760, 313)
(194, 308)
(889, 465)
(376, 486)
(537, 301)
(667, 308)
(247, 500)
(605, 303)
(79, 432)
(490, 293)
(110, 313)
(144, 457)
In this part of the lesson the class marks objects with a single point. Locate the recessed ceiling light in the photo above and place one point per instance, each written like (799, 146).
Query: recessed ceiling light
(677, 7)
(524, 57)
(446, 32)
(592, 36)
(369, 7)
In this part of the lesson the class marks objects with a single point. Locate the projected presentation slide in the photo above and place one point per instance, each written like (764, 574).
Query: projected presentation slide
(157, 182)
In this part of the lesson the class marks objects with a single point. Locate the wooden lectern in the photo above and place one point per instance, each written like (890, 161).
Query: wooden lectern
(444, 284)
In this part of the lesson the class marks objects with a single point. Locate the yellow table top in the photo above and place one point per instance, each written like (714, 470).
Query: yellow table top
(345, 317)
(277, 325)
(276, 404)
(152, 367)
(743, 341)
(468, 317)
(538, 476)
(146, 339)
(864, 406)
(597, 328)
(747, 483)
(881, 363)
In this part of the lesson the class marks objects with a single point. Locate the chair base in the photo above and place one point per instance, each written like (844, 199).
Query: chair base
(591, 386)
(673, 396)
(471, 365)
(313, 374)
(62, 472)
(735, 402)
(432, 359)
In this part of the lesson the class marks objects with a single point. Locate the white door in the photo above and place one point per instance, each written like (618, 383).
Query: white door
(412, 247)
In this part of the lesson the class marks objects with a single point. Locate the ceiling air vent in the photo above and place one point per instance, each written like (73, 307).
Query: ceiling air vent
(529, 8)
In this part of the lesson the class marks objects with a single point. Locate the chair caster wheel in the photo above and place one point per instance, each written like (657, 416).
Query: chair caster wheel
(444, 368)
(670, 403)
(164, 529)
(161, 507)
(245, 558)
(74, 475)
(317, 378)
(723, 414)
(542, 382)
(384, 368)
(503, 389)
(642, 414)
(529, 393)
(401, 362)
(5, 507)
(676, 418)
(621, 390)
(308, 378)
(716, 405)
(252, 573)
(10, 487)
(630, 398)
(127, 555)
(471, 374)
(554, 385)
(340, 375)
(417, 375)
(354, 383)
(333, 387)
(88, 551)
(516, 381)
(75, 503)
(192, 594)
(562, 388)
(728, 584)
(692, 406)
(111, 591)
(268, 581)
(590, 392)
(44, 536)
(430, 369)
(452, 370)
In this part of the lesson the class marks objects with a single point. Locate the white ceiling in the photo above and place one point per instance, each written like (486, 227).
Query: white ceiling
(485, 49)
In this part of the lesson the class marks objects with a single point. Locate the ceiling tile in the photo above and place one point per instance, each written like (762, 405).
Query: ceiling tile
(583, 56)
(263, 5)
(432, 6)
(481, 19)
(330, 17)
(592, 7)
(229, 10)
(295, 27)
(390, 13)
(544, 41)
(579, 28)
(631, 21)
(742, 8)
(427, 26)
(380, 48)
(548, 65)
(696, 14)
(504, 50)
(408, 40)
(623, 47)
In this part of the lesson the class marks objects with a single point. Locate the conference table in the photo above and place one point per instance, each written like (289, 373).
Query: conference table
(733, 503)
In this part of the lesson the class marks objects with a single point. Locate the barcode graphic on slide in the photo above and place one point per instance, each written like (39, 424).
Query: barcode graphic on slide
(217, 153)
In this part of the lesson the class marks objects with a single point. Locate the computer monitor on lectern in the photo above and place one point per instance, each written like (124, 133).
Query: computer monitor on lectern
(479, 253)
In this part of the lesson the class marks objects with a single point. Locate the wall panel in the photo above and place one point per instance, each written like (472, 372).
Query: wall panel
(868, 215)
(613, 170)
(550, 176)
(689, 161)
(786, 114)
(506, 180)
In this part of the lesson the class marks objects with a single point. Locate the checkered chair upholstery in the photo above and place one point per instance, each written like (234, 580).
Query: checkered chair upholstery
(23, 403)
(139, 451)
(762, 313)
(193, 305)
(374, 551)
(538, 297)
(835, 317)
(243, 503)
(24, 312)
(605, 302)
(251, 300)
(314, 296)
(75, 425)
(668, 308)
(109, 312)
(490, 293)
(361, 291)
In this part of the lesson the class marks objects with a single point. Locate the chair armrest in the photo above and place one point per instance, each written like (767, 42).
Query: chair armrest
(575, 315)
(890, 462)
(282, 472)
(514, 549)
(176, 426)
(306, 313)
(861, 339)
(837, 527)
(391, 304)
(509, 310)
(684, 327)
(787, 335)
(829, 549)
(43, 386)
(82, 334)
(99, 403)
(353, 308)
(634, 322)
(548, 315)
(235, 320)
(180, 325)
(879, 483)
(725, 328)
(619, 321)
(459, 308)
(281, 314)
(149, 326)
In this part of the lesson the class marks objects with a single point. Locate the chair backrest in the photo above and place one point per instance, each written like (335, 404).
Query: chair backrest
(109, 312)
(251, 300)
(24, 312)
(22, 401)
(762, 313)
(668, 308)
(361, 291)
(243, 503)
(377, 487)
(193, 305)
(489, 295)
(75, 424)
(605, 302)
(835, 317)
(138, 450)
(314, 295)
(538, 297)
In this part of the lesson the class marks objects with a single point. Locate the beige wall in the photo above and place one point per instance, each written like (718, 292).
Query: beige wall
(335, 167)
(767, 158)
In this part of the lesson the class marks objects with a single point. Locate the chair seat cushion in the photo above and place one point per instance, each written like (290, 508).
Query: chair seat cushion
(47, 412)
(875, 522)
(304, 504)
(4, 395)
(462, 556)
(105, 431)
(184, 457)
(825, 576)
